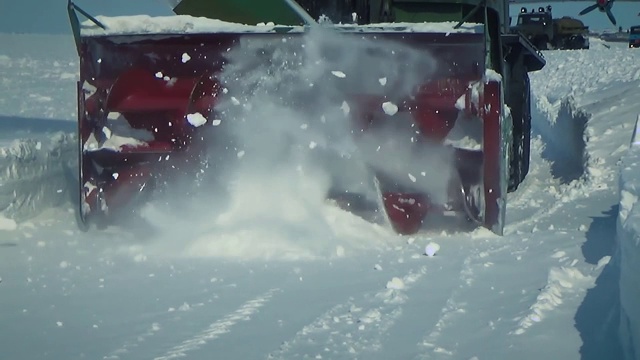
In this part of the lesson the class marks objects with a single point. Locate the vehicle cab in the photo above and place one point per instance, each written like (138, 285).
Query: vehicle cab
(634, 36)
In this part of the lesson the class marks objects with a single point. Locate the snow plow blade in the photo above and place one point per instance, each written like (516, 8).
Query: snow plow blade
(144, 101)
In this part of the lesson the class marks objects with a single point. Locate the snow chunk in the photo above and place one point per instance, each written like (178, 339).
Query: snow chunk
(603, 262)
(107, 132)
(492, 75)
(339, 74)
(216, 122)
(120, 134)
(383, 81)
(7, 224)
(627, 201)
(345, 108)
(461, 103)
(431, 249)
(389, 108)
(371, 316)
(185, 58)
(196, 119)
(140, 258)
(395, 284)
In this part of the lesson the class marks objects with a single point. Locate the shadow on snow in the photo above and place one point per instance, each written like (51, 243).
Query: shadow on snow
(598, 316)
(563, 138)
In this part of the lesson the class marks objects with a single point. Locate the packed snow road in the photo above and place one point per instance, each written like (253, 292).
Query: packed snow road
(298, 279)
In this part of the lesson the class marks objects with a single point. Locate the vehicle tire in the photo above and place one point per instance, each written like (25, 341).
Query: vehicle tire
(578, 42)
(521, 149)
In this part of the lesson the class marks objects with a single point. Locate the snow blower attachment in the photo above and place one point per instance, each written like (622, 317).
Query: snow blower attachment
(147, 110)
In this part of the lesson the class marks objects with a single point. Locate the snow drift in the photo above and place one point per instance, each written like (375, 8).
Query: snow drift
(37, 142)
(628, 235)
(35, 174)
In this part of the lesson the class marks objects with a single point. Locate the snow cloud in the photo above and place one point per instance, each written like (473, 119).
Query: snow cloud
(290, 135)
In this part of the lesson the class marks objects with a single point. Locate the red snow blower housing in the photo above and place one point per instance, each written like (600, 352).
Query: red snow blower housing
(149, 98)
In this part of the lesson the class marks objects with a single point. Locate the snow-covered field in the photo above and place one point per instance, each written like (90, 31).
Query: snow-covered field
(295, 279)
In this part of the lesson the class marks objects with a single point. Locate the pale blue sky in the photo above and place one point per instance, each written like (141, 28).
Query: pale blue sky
(49, 16)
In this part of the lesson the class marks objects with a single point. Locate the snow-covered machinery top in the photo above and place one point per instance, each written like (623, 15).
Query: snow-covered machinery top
(153, 98)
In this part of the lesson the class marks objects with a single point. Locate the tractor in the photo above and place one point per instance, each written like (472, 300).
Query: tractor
(432, 98)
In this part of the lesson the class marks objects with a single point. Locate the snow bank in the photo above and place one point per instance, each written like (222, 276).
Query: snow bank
(34, 175)
(628, 234)
(185, 24)
(38, 76)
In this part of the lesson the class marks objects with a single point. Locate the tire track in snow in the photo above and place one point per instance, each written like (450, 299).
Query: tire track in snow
(464, 327)
(535, 193)
(126, 348)
(153, 329)
(451, 310)
(539, 190)
(218, 328)
(455, 308)
(569, 194)
(545, 212)
(559, 155)
(361, 324)
(141, 335)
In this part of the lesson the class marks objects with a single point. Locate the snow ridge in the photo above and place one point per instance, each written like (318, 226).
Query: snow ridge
(34, 175)
(562, 282)
(628, 238)
(354, 327)
(151, 331)
(220, 327)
